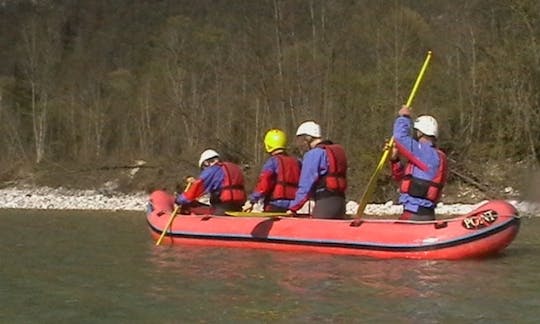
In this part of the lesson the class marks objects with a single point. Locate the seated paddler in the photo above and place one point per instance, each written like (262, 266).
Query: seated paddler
(222, 181)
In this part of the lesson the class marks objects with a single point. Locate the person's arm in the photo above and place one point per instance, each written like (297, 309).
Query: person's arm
(194, 191)
(266, 181)
(398, 170)
(405, 143)
(311, 166)
(396, 166)
(198, 187)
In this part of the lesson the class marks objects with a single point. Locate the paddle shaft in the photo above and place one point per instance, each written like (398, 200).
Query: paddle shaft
(175, 211)
(384, 158)
(419, 79)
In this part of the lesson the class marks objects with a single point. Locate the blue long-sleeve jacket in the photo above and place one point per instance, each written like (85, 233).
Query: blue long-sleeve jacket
(424, 157)
(210, 180)
(314, 166)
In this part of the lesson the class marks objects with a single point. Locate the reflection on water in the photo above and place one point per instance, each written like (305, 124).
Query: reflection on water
(96, 267)
(307, 287)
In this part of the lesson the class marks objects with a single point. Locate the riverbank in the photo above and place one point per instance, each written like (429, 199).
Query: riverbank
(29, 197)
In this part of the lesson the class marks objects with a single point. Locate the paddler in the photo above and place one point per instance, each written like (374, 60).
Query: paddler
(324, 173)
(278, 179)
(223, 181)
(423, 176)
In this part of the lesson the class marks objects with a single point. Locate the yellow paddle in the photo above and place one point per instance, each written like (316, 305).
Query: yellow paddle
(175, 211)
(384, 158)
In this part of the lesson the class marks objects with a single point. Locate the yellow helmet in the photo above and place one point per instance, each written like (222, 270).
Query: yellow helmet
(275, 139)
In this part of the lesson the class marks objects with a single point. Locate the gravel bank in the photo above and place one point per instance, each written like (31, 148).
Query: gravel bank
(61, 198)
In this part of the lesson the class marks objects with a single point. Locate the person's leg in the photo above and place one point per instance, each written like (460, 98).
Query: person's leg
(423, 214)
(332, 207)
(274, 209)
(424, 218)
(407, 215)
(221, 208)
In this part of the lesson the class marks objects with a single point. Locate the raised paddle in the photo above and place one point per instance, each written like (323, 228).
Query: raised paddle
(384, 158)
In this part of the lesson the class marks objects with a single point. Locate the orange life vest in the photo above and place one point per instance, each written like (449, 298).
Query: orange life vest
(288, 175)
(427, 189)
(232, 189)
(335, 179)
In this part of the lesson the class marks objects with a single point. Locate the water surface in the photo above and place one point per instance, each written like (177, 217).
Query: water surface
(102, 267)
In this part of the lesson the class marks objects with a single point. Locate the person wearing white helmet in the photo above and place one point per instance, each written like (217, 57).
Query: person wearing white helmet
(208, 156)
(224, 182)
(324, 173)
(424, 175)
(278, 179)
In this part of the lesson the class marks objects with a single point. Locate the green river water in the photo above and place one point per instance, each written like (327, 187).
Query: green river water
(102, 267)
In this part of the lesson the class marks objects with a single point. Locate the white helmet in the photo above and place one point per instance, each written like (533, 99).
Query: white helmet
(310, 128)
(427, 125)
(206, 155)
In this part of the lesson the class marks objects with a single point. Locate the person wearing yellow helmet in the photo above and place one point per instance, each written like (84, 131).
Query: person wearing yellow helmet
(278, 179)
(275, 139)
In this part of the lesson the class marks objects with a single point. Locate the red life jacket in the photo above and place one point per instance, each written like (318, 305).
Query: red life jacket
(335, 179)
(427, 189)
(232, 188)
(287, 177)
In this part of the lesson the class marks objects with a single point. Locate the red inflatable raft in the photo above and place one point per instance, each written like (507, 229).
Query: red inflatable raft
(483, 232)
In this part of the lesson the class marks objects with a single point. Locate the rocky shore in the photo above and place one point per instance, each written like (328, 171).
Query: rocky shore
(28, 197)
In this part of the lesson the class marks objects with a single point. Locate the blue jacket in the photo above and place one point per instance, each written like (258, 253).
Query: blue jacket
(314, 166)
(423, 156)
(210, 180)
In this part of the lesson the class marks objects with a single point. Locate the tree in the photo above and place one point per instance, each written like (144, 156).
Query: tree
(41, 55)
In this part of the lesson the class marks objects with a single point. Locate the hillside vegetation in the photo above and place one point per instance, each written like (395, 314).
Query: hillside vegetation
(89, 87)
